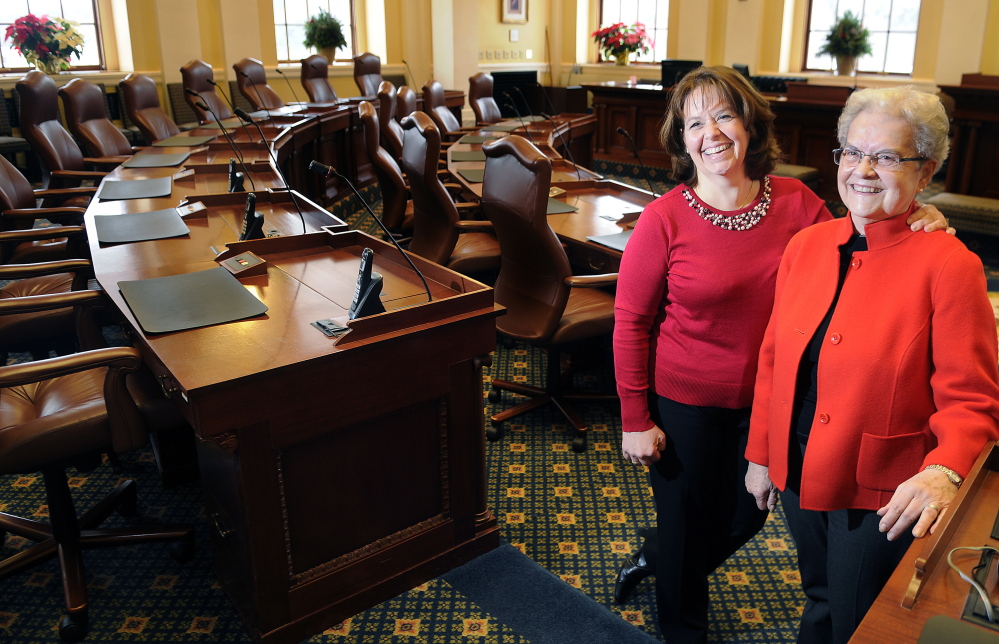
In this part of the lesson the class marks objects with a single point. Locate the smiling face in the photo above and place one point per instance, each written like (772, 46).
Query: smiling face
(873, 193)
(714, 135)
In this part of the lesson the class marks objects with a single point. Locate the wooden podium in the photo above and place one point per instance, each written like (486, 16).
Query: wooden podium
(923, 585)
(337, 472)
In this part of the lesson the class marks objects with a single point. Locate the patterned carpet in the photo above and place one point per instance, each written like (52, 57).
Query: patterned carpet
(577, 515)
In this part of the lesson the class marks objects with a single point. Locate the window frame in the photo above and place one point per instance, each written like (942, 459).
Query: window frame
(653, 32)
(353, 35)
(806, 38)
(98, 29)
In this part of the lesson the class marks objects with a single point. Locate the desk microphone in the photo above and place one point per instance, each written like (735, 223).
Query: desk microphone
(203, 105)
(530, 111)
(411, 77)
(278, 70)
(327, 171)
(512, 105)
(263, 105)
(623, 132)
(548, 100)
(566, 147)
(232, 107)
(246, 118)
(319, 68)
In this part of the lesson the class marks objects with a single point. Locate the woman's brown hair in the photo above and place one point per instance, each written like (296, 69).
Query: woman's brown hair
(749, 104)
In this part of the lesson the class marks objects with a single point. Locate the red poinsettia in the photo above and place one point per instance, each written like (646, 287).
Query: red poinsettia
(45, 41)
(620, 39)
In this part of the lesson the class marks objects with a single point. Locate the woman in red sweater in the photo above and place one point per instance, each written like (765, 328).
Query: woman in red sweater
(877, 384)
(694, 295)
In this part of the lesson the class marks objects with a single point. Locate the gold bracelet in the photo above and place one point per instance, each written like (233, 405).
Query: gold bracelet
(952, 476)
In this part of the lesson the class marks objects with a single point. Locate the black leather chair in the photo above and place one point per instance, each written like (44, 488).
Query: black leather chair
(197, 75)
(443, 118)
(391, 130)
(316, 81)
(546, 305)
(367, 73)
(251, 79)
(480, 97)
(86, 117)
(397, 211)
(142, 105)
(405, 102)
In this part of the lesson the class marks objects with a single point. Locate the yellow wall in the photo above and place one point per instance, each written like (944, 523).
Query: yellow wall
(494, 35)
(990, 52)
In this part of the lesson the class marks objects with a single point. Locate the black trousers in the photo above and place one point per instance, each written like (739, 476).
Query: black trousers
(704, 513)
(844, 563)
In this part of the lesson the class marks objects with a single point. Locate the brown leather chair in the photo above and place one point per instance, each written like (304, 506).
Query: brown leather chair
(142, 105)
(436, 221)
(63, 162)
(545, 304)
(391, 130)
(316, 81)
(197, 75)
(396, 216)
(66, 412)
(88, 121)
(480, 97)
(251, 79)
(444, 119)
(405, 102)
(367, 73)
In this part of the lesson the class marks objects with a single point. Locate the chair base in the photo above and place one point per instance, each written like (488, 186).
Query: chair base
(68, 536)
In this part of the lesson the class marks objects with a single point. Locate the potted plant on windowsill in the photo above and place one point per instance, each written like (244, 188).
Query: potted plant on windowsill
(847, 40)
(47, 43)
(324, 33)
(620, 41)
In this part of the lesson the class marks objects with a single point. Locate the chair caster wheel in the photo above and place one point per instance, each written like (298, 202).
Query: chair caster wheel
(73, 629)
(495, 432)
(495, 396)
(182, 550)
(579, 444)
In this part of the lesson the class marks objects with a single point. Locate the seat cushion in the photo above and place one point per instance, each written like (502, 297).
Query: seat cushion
(20, 328)
(52, 421)
(45, 250)
(589, 313)
(475, 253)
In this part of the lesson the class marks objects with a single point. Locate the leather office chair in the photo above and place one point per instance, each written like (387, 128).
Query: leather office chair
(396, 216)
(316, 81)
(443, 118)
(545, 304)
(251, 79)
(480, 97)
(195, 75)
(405, 102)
(391, 130)
(65, 412)
(142, 105)
(367, 73)
(87, 119)
(436, 221)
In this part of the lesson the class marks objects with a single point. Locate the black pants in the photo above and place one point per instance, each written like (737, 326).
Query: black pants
(704, 512)
(844, 563)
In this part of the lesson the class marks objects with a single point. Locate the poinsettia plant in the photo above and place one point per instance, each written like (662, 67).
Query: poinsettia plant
(45, 41)
(620, 39)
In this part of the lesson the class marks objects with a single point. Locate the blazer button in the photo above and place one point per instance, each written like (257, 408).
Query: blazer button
(824, 418)
(855, 262)
(835, 338)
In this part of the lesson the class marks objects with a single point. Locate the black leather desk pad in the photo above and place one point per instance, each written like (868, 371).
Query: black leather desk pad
(135, 189)
(941, 629)
(501, 127)
(181, 140)
(557, 207)
(472, 175)
(474, 138)
(139, 226)
(468, 155)
(141, 160)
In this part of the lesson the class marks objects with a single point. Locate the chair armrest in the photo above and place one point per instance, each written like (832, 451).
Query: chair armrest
(473, 225)
(79, 174)
(591, 281)
(44, 213)
(22, 271)
(37, 234)
(467, 209)
(48, 302)
(67, 192)
(106, 160)
(120, 358)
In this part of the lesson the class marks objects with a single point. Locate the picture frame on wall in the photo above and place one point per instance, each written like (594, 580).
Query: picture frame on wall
(513, 11)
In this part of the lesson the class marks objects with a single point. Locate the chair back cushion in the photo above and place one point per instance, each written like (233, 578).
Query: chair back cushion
(405, 102)
(197, 75)
(15, 192)
(531, 281)
(252, 83)
(39, 115)
(142, 105)
(387, 172)
(480, 97)
(391, 130)
(367, 73)
(433, 104)
(434, 214)
(315, 79)
(88, 120)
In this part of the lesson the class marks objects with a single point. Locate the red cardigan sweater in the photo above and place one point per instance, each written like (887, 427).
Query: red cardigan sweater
(693, 301)
(907, 374)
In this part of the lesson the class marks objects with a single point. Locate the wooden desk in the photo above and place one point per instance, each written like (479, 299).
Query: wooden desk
(923, 585)
(974, 156)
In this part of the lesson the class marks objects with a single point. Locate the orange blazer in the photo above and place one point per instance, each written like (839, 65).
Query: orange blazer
(907, 373)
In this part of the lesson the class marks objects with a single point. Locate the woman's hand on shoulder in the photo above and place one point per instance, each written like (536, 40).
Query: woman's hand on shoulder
(921, 502)
(760, 486)
(643, 448)
(929, 219)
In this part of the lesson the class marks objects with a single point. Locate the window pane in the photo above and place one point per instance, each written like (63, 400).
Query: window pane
(281, 37)
(813, 60)
(654, 14)
(81, 12)
(877, 15)
(905, 15)
(91, 55)
(297, 11)
(887, 20)
(296, 36)
(874, 62)
(901, 51)
(11, 10)
(49, 7)
(854, 6)
(823, 14)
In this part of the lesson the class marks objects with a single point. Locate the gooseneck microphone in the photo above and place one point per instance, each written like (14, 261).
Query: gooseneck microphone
(564, 145)
(263, 105)
(246, 119)
(513, 106)
(278, 70)
(327, 171)
(548, 99)
(645, 171)
(412, 78)
(203, 105)
(523, 98)
(232, 107)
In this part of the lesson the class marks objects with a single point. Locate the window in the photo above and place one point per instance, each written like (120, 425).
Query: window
(84, 13)
(892, 23)
(290, 17)
(654, 14)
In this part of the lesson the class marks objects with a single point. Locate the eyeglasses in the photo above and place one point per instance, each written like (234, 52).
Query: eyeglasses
(850, 158)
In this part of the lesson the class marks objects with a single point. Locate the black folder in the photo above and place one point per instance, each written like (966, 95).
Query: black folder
(189, 300)
(135, 189)
(472, 175)
(184, 141)
(139, 226)
(501, 127)
(468, 155)
(557, 207)
(149, 160)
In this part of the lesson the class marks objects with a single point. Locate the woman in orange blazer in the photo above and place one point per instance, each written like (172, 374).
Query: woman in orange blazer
(877, 384)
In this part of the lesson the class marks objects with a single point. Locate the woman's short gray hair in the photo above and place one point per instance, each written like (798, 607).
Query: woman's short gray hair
(923, 112)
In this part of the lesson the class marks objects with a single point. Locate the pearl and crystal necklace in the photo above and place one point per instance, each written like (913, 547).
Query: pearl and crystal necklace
(742, 221)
